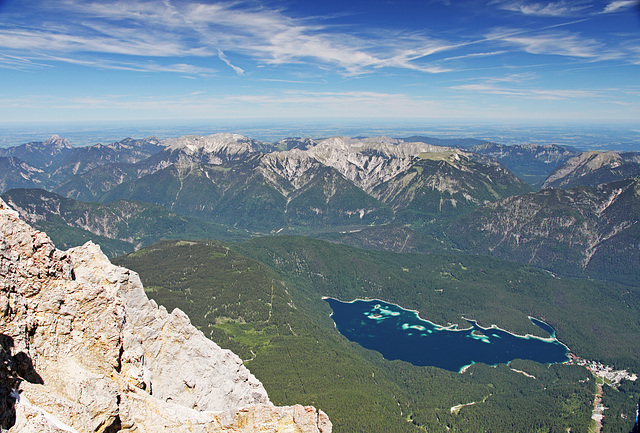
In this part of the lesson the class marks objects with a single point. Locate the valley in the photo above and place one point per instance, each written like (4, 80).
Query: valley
(300, 327)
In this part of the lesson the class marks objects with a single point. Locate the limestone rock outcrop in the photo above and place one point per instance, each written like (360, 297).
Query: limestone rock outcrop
(84, 350)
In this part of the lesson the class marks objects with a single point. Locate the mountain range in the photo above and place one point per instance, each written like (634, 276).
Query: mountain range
(250, 184)
(372, 192)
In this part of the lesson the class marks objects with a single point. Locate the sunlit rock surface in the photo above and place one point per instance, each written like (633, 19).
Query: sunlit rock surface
(84, 350)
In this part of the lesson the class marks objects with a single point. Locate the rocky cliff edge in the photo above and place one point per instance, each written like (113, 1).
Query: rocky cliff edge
(84, 350)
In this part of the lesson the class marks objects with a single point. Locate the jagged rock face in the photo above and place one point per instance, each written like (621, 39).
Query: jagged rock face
(102, 357)
(293, 165)
(371, 161)
(448, 183)
(594, 168)
(366, 162)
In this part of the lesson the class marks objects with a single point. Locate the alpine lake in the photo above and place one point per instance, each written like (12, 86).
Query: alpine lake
(401, 334)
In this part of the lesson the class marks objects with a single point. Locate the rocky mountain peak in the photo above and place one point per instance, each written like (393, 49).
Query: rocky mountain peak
(384, 146)
(90, 352)
(54, 145)
(370, 161)
(231, 144)
(596, 159)
(129, 143)
(56, 141)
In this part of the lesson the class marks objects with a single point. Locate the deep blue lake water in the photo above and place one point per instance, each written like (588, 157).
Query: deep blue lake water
(400, 334)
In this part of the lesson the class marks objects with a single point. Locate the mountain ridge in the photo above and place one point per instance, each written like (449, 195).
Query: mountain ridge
(338, 184)
(594, 168)
(135, 224)
(571, 231)
(274, 181)
(40, 153)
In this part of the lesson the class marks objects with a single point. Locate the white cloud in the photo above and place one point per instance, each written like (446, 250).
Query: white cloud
(90, 32)
(617, 5)
(514, 78)
(559, 45)
(471, 55)
(47, 41)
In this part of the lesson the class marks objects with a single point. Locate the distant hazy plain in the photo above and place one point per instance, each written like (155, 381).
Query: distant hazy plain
(621, 137)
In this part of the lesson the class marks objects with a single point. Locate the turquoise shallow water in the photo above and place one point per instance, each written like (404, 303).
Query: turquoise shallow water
(400, 334)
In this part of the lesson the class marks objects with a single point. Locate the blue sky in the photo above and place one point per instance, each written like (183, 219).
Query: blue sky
(521, 60)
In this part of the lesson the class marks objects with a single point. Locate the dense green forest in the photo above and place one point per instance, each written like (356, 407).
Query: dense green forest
(263, 299)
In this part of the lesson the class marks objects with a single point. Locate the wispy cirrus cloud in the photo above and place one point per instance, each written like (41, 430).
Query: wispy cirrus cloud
(184, 29)
(529, 93)
(561, 44)
(513, 78)
(550, 9)
(619, 5)
(238, 70)
(78, 41)
(255, 35)
(19, 63)
(273, 38)
(141, 66)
